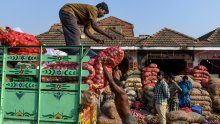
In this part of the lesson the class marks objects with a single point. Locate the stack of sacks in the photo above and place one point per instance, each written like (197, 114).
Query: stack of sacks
(14, 38)
(111, 57)
(149, 76)
(214, 90)
(109, 114)
(182, 117)
(200, 74)
(149, 79)
(132, 84)
(201, 97)
(198, 96)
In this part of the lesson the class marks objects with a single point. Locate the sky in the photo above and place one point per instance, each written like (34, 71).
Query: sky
(191, 17)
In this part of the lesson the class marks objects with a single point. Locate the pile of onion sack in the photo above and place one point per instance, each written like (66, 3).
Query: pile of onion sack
(14, 38)
(200, 74)
(111, 57)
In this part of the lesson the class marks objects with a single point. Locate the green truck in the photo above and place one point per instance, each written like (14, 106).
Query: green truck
(28, 101)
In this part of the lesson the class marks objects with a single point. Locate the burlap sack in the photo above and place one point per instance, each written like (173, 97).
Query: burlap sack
(109, 109)
(196, 85)
(89, 99)
(205, 93)
(200, 98)
(135, 76)
(216, 102)
(129, 88)
(206, 108)
(102, 119)
(195, 118)
(214, 88)
(178, 122)
(206, 113)
(132, 72)
(177, 116)
(134, 80)
(179, 78)
(201, 103)
(133, 84)
(195, 92)
(215, 96)
(214, 80)
(213, 118)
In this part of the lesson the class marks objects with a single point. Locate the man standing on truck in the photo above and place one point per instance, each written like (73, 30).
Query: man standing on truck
(121, 100)
(73, 14)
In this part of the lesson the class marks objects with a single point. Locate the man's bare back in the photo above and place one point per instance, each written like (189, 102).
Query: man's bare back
(121, 100)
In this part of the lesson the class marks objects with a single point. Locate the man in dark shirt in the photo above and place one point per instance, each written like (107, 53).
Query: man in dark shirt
(174, 89)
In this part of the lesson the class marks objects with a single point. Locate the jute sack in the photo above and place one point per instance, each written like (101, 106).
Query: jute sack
(195, 92)
(89, 99)
(195, 117)
(103, 119)
(214, 80)
(134, 80)
(205, 93)
(214, 88)
(200, 98)
(215, 96)
(178, 122)
(133, 84)
(206, 113)
(177, 116)
(206, 108)
(196, 85)
(216, 102)
(132, 72)
(179, 78)
(201, 103)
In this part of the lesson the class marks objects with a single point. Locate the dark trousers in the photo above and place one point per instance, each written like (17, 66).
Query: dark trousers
(71, 30)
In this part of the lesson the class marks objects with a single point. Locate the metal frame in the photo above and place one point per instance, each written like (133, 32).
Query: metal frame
(41, 88)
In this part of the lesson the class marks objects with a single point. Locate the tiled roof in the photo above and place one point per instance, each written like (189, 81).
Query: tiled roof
(55, 37)
(164, 38)
(105, 21)
(168, 38)
(126, 27)
(213, 36)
